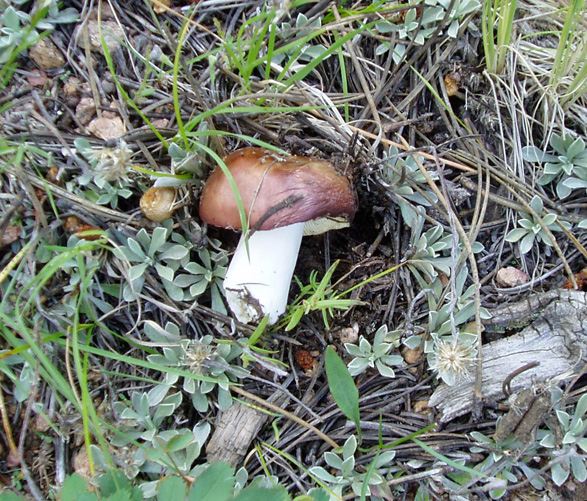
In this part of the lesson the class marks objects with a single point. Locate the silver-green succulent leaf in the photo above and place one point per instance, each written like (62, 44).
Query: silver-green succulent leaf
(377, 355)
(531, 230)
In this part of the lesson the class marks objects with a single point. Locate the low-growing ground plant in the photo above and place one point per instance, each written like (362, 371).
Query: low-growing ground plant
(376, 355)
(216, 481)
(565, 164)
(345, 475)
(566, 439)
(416, 25)
(21, 29)
(533, 227)
(200, 356)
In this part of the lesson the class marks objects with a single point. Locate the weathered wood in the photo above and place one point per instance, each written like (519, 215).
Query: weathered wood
(235, 430)
(556, 338)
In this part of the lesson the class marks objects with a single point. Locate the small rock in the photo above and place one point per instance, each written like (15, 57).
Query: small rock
(511, 277)
(111, 32)
(421, 407)
(46, 55)
(411, 356)
(37, 78)
(85, 110)
(81, 464)
(155, 54)
(71, 91)
(159, 123)
(42, 425)
(110, 114)
(106, 12)
(108, 86)
(10, 235)
(12, 460)
(107, 128)
(349, 334)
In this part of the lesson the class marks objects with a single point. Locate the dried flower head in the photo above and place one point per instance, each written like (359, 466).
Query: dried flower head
(197, 356)
(113, 164)
(453, 360)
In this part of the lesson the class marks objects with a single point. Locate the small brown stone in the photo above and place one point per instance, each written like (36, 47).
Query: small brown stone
(511, 277)
(12, 460)
(42, 425)
(421, 407)
(349, 334)
(107, 128)
(111, 114)
(81, 464)
(412, 356)
(71, 86)
(10, 235)
(85, 110)
(46, 55)
(110, 30)
(37, 78)
(160, 123)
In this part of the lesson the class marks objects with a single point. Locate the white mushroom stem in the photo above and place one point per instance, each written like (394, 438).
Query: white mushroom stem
(257, 283)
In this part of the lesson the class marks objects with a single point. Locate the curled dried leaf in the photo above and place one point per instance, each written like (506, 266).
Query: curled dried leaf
(10, 235)
(451, 84)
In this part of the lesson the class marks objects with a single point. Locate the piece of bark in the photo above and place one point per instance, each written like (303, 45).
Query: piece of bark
(556, 338)
(526, 413)
(238, 427)
(518, 409)
(235, 430)
(525, 431)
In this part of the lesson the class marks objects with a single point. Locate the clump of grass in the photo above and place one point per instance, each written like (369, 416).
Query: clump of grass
(497, 26)
(568, 78)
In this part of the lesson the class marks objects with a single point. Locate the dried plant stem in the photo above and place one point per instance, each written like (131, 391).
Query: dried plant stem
(6, 424)
(283, 412)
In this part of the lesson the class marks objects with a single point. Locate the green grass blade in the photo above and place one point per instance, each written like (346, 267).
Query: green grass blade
(448, 461)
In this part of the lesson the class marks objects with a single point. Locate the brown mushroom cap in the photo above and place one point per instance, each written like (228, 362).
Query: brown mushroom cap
(277, 191)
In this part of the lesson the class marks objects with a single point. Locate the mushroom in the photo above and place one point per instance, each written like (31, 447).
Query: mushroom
(157, 203)
(284, 198)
